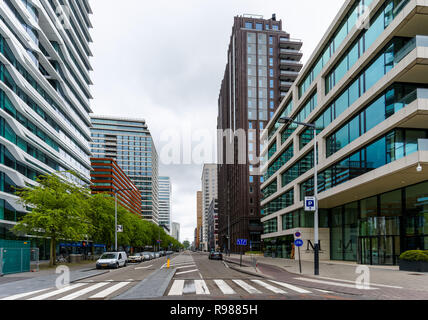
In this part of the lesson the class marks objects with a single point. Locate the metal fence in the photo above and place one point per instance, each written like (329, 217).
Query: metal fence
(17, 260)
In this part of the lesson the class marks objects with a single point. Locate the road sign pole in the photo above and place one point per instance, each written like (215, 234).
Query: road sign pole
(300, 261)
(240, 263)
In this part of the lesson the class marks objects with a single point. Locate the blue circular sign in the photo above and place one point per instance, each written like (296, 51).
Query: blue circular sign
(298, 242)
(297, 234)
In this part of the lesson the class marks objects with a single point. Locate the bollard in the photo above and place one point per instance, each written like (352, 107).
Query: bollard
(167, 264)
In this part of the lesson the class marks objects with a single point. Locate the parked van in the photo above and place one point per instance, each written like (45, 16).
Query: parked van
(112, 260)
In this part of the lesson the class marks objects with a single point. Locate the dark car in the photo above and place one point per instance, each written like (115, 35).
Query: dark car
(215, 256)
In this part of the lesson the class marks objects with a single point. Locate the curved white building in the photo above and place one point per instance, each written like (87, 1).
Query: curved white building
(44, 97)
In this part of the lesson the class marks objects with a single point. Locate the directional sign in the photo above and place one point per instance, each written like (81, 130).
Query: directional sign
(298, 242)
(310, 204)
(241, 242)
(119, 228)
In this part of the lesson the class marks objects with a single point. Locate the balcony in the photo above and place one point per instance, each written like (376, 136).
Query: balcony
(286, 85)
(290, 54)
(288, 75)
(291, 65)
(288, 43)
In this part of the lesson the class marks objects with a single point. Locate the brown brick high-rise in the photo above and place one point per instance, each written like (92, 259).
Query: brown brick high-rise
(262, 64)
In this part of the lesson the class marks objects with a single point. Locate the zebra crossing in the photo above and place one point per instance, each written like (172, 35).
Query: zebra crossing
(76, 291)
(232, 287)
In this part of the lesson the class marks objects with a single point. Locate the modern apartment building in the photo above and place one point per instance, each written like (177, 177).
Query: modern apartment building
(365, 87)
(175, 231)
(107, 177)
(44, 99)
(209, 192)
(262, 64)
(213, 226)
(165, 203)
(128, 141)
(198, 219)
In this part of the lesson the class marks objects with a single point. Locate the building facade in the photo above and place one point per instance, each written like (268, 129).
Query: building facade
(199, 211)
(44, 100)
(213, 226)
(107, 177)
(209, 192)
(175, 231)
(165, 203)
(128, 141)
(365, 89)
(262, 64)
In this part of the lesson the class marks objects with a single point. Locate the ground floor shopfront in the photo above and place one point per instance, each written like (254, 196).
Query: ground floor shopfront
(373, 231)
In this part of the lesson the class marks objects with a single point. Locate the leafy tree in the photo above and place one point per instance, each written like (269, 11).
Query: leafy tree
(186, 244)
(57, 211)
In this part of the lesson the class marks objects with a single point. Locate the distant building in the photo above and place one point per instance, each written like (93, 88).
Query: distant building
(175, 232)
(107, 177)
(165, 203)
(128, 141)
(209, 192)
(213, 226)
(198, 219)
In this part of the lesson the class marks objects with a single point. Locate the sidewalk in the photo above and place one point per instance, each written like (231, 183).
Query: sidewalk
(338, 270)
(29, 281)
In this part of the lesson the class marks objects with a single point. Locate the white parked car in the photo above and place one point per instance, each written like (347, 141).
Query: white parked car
(112, 260)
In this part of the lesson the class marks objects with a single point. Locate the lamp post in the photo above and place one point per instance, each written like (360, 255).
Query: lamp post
(288, 121)
(115, 215)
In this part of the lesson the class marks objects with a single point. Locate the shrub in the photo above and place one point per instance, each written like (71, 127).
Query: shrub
(414, 255)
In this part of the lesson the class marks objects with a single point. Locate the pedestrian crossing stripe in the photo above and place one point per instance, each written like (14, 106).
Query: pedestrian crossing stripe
(57, 292)
(105, 293)
(199, 287)
(82, 292)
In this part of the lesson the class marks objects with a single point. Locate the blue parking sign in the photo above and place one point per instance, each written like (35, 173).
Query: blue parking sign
(241, 242)
(310, 203)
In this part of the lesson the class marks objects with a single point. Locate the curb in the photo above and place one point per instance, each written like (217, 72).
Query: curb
(249, 272)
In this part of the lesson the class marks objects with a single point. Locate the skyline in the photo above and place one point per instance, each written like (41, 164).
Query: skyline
(161, 63)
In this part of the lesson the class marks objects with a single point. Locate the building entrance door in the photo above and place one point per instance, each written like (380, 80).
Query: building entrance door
(379, 250)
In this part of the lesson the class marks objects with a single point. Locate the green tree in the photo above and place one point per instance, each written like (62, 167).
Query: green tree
(57, 211)
(186, 244)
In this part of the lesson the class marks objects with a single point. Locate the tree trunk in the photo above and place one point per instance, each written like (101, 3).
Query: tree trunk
(52, 261)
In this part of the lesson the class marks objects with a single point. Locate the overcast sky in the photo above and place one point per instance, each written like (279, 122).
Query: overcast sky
(164, 61)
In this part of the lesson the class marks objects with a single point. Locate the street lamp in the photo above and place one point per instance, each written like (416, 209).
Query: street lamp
(288, 121)
(115, 214)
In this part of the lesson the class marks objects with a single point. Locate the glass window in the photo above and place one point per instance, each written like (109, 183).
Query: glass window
(374, 72)
(376, 154)
(375, 113)
(248, 25)
(390, 204)
(259, 26)
(341, 103)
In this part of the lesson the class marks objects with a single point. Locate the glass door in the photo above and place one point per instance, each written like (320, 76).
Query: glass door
(364, 251)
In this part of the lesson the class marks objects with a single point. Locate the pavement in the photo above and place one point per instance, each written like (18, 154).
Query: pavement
(388, 282)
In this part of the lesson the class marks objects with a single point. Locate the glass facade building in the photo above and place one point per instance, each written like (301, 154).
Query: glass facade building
(44, 99)
(364, 90)
(165, 202)
(130, 144)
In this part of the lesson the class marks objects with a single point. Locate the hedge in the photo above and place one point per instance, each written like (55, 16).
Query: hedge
(415, 255)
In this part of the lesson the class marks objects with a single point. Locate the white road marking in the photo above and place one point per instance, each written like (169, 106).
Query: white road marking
(177, 288)
(225, 264)
(82, 292)
(194, 270)
(291, 287)
(269, 287)
(371, 284)
(333, 283)
(22, 295)
(201, 287)
(110, 290)
(184, 267)
(224, 287)
(54, 293)
(138, 268)
(247, 287)
(324, 291)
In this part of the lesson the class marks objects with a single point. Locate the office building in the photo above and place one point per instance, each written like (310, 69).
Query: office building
(262, 63)
(128, 141)
(213, 226)
(199, 211)
(366, 90)
(209, 192)
(108, 177)
(175, 231)
(165, 203)
(44, 100)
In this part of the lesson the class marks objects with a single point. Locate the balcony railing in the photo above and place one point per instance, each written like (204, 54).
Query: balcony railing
(418, 41)
(290, 51)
